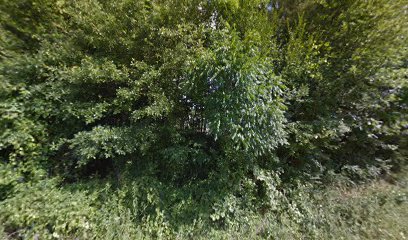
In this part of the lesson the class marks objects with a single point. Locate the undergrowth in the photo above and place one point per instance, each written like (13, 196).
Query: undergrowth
(148, 209)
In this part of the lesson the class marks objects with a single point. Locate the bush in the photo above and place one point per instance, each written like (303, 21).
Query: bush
(179, 118)
(44, 210)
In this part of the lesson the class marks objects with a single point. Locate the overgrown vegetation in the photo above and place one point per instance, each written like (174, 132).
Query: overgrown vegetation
(179, 119)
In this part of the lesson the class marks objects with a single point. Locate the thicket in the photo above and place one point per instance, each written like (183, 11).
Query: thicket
(158, 118)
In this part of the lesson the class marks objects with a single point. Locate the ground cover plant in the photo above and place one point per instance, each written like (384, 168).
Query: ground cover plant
(224, 119)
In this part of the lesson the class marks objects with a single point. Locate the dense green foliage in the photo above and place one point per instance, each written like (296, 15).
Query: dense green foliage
(155, 118)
